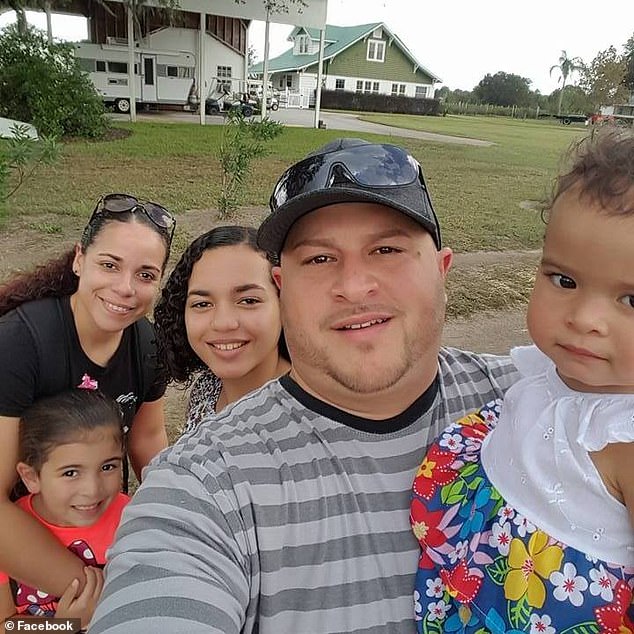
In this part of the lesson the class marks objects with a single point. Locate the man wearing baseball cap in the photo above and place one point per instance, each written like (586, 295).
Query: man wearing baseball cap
(290, 513)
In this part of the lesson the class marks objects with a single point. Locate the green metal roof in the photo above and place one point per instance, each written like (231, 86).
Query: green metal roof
(337, 38)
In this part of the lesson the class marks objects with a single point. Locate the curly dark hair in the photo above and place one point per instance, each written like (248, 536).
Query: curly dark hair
(55, 278)
(602, 167)
(178, 361)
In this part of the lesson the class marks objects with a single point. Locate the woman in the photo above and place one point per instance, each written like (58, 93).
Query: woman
(218, 321)
(79, 320)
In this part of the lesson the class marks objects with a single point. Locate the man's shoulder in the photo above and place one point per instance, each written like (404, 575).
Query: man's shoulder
(455, 357)
(479, 373)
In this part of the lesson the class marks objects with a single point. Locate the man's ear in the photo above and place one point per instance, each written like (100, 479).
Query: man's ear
(445, 258)
(276, 274)
(29, 476)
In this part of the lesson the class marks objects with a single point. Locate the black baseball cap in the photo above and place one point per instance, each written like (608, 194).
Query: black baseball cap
(348, 170)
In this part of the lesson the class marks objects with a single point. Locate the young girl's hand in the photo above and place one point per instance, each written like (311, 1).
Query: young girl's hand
(80, 605)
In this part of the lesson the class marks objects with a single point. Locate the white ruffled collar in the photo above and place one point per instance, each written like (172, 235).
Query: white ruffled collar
(603, 418)
(538, 458)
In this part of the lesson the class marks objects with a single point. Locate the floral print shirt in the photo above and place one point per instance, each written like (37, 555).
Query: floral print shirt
(485, 567)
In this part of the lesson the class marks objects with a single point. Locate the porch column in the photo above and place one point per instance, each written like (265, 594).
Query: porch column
(131, 75)
(49, 24)
(320, 73)
(202, 89)
(265, 68)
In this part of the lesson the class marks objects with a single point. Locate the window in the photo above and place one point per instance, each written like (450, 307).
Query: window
(367, 86)
(118, 67)
(421, 92)
(394, 90)
(101, 66)
(286, 81)
(359, 86)
(303, 44)
(401, 90)
(375, 86)
(224, 72)
(179, 72)
(376, 51)
(340, 84)
(87, 65)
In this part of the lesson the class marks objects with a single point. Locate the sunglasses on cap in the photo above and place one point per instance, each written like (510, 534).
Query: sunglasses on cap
(125, 203)
(368, 166)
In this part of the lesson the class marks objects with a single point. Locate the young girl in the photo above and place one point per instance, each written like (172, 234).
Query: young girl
(80, 320)
(70, 451)
(218, 321)
(524, 513)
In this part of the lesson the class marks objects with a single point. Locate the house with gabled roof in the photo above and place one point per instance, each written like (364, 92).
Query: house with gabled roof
(367, 58)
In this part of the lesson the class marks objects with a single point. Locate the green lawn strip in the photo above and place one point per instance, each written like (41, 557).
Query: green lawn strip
(477, 191)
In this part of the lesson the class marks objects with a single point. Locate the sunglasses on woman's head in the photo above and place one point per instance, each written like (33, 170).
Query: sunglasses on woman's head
(124, 203)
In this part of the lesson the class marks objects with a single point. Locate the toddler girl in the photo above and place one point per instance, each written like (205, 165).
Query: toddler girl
(523, 510)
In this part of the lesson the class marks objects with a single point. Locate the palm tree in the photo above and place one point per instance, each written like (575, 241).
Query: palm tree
(567, 66)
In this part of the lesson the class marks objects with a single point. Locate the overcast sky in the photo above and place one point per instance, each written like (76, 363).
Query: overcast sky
(462, 40)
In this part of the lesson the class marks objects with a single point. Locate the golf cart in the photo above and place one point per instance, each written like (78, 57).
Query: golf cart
(223, 101)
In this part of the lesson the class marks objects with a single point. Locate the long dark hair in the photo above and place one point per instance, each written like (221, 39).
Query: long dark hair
(55, 278)
(179, 361)
(62, 419)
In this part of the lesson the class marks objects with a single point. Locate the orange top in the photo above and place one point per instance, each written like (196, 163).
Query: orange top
(87, 542)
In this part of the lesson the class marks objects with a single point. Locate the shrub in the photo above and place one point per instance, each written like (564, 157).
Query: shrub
(19, 157)
(242, 142)
(42, 84)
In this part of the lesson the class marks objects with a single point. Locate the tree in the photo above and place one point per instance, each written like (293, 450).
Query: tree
(629, 66)
(252, 56)
(452, 96)
(575, 101)
(604, 78)
(566, 67)
(503, 89)
(43, 84)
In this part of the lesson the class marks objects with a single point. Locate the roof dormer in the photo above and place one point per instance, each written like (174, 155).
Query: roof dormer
(302, 43)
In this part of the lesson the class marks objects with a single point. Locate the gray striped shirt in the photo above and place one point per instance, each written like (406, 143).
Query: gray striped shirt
(286, 516)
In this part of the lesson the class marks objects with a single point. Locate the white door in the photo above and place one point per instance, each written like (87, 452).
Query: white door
(148, 90)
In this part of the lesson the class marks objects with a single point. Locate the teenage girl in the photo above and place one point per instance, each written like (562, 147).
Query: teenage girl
(218, 321)
(80, 320)
(70, 457)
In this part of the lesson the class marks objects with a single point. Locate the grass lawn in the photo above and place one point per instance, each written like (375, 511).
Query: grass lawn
(477, 191)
